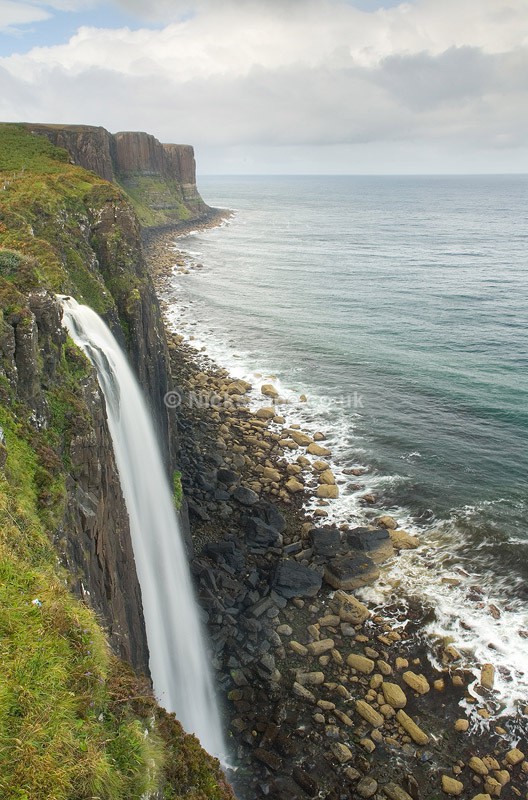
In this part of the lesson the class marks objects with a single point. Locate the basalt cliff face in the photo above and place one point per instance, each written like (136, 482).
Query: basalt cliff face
(160, 178)
(74, 720)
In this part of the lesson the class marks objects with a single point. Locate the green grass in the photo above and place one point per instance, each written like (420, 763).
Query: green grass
(22, 151)
(177, 490)
(156, 201)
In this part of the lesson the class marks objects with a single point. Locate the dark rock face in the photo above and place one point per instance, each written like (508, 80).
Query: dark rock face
(93, 540)
(293, 579)
(88, 146)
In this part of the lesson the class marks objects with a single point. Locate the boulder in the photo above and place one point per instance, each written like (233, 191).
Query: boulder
(228, 476)
(303, 693)
(293, 579)
(367, 787)
(301, 438)
(487, 676)
(317, 450)
(320, 647)
(269, 390)
(394, 695)
(451, 786)
(411, 728)
(238, 387)
(244, 496)
(369, 714)
(271, 474)
(341, 752)
(374, 543)
(514, 757)
(269, 514)
(294, 486)
(261, 537)
(265, 413)
(327, 492)
(385, 521)
(360, 663)
(418, 683)
(395, 792)
(310, 678)
(326, 541)
(350, 572)
(327, 476)
(349, 609)
(402, 540)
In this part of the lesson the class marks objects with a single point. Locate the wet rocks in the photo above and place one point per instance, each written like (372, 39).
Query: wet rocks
(360, 663)
(394, 695)
(318, 450)
(487, 676)
(410, 727)
(350, 572)
(417, 683)
(268, 390)
(349, 609)
(341, 752)
(293, 579)
(451, 786)
(402, 540)
(369, 714)
(376, 543)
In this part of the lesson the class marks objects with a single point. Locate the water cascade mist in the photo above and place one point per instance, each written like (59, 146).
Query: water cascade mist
(178, 659)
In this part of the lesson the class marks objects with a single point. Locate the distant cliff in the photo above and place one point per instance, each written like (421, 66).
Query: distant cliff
(159, 178)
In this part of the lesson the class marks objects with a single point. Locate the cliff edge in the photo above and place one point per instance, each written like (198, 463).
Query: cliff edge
(160, 179)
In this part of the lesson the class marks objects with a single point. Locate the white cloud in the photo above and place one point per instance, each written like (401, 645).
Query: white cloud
(13, 14)
(308, 73)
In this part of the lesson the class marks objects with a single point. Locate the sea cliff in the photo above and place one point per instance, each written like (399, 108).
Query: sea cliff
(75, 720)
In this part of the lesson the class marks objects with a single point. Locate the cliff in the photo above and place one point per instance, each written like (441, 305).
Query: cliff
(74, 720)
(160, 179)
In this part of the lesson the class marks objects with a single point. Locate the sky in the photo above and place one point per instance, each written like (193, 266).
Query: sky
(282, 86)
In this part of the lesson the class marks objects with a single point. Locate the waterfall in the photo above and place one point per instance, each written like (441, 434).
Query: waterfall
(178, 660)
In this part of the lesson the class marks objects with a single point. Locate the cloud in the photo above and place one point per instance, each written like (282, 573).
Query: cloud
(13, 14)
(306, 74)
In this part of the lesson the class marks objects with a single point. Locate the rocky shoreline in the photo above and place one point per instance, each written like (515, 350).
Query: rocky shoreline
(324, 697)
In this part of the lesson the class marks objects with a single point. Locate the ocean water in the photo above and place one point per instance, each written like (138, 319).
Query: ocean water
(399, 307)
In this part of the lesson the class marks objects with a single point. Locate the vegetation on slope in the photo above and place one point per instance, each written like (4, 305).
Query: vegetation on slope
(75, 722)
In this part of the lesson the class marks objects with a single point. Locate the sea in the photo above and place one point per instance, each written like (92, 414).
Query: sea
(397, 309)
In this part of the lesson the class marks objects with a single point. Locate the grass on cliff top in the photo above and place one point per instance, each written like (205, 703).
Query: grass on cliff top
(45, 207)
(22, 151)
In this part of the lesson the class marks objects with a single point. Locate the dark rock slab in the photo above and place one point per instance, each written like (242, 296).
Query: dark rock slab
(271, 760)
(228, 476)
(244, 496)
(326, 541)
(261, 537)
(350, 572)
(375, 543)
(296, 580)
(269, 514)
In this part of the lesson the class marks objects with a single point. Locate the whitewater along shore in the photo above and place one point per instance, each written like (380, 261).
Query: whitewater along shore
(324, 696)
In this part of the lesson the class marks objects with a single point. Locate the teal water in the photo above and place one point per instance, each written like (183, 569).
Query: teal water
(399, 306)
